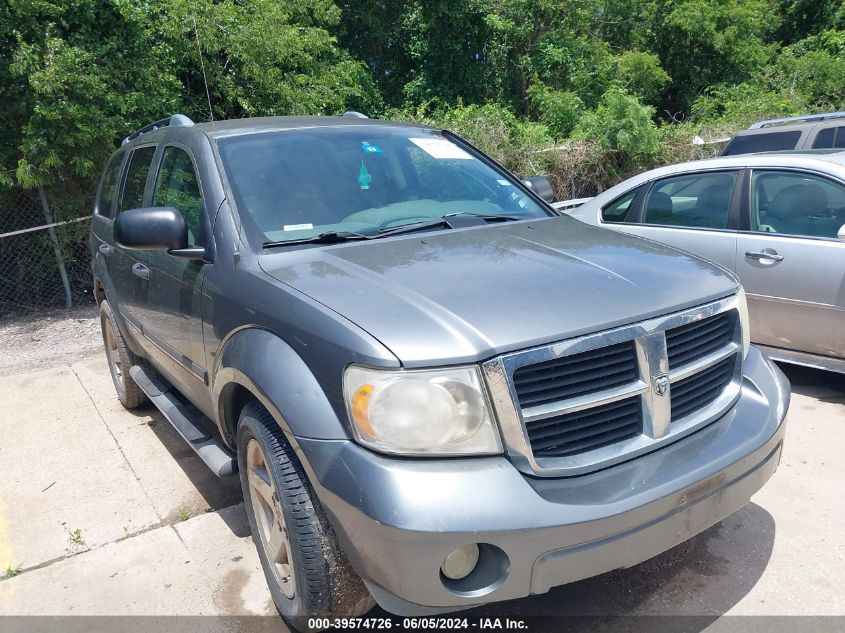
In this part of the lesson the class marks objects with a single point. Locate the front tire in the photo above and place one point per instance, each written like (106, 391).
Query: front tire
(306, 570)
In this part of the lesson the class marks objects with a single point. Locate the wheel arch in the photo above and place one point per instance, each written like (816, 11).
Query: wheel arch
(256, 365)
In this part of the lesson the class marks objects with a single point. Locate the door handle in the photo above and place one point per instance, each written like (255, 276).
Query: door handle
(764, 255)
(139, 270)
(105, 249)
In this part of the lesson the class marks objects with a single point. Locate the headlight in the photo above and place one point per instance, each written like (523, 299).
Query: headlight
(430, 412)
(742, 305)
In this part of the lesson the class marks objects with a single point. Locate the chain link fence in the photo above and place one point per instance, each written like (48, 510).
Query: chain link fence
(44, 257)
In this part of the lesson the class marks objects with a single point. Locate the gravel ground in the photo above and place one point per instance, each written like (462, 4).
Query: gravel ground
(32, 343)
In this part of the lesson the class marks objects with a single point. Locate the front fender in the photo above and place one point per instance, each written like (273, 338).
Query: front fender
(279, 378)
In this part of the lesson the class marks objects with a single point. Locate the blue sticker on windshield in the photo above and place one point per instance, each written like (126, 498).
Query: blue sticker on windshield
(369, 148)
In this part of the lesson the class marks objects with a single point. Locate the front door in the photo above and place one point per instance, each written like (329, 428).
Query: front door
(791, 263)
(172, 316)
(123, 264)
(694, 212)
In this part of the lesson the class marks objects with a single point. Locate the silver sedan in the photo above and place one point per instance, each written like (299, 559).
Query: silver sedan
(776, 220)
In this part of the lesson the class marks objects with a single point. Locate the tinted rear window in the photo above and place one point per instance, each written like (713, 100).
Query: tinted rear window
(831, 137)
(771, 142)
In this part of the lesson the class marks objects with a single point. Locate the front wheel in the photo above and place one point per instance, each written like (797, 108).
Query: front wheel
(306, 570)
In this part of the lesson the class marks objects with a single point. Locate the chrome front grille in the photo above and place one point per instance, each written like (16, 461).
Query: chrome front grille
(586, 403)
(587, 429)
(699, 390)
(692, 341)
(576, 375)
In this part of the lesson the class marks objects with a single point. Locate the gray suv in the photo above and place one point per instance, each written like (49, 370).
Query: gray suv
(436, 392)
(809, 132)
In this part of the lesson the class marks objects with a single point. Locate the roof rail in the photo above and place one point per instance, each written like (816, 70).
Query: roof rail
(798, 119)
(177, 120)
(352, 114)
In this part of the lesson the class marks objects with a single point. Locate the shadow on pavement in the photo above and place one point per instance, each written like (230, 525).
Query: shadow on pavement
(218, 492)
(827, 386)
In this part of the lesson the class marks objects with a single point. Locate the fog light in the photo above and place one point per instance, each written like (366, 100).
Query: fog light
(459, 563)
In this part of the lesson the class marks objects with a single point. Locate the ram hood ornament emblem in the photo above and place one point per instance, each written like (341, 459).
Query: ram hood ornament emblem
(661, 384)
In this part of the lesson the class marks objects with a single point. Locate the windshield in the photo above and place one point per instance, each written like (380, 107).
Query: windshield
(301, 183)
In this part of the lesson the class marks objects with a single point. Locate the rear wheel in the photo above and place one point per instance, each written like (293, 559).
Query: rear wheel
(306, 570)
(120, 359)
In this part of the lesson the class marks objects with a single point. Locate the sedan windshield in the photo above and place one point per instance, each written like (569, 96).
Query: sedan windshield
(363, 180)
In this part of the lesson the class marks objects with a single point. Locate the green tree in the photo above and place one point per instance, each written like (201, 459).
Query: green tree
(640, 73)
(419, 50)
(707, 42)
(263, 57)
(79, 73)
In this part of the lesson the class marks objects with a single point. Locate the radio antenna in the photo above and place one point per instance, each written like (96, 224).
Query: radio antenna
(204, 79)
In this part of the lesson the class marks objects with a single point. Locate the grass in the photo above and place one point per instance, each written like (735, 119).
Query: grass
(76, 539)
(11, 572)
(184, 513)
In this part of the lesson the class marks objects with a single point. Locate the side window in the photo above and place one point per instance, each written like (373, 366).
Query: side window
(830, 137)
(618, 210)
(824, 138)
(105, 198)
(177, 186)
(796, 203)
(132, 195)
(762, 142)
(691, 200)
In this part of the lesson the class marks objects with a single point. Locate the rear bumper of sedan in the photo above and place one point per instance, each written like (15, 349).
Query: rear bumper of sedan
(397, 519)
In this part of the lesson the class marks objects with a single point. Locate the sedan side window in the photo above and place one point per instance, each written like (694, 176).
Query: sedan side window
(177, 186)
(691, 200)
(796, 203)
(132, 195)
(619, 209)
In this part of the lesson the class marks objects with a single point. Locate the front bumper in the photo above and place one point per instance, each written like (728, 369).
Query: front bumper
(398, 518)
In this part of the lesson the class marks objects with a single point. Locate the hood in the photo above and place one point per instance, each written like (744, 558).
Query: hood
(468, 294)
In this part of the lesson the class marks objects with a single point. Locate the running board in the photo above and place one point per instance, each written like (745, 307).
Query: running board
(187, 421)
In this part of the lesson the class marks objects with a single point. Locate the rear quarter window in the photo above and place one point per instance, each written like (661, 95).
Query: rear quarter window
(620, 208)
(831, 137)
(769, 142)
(108, 186)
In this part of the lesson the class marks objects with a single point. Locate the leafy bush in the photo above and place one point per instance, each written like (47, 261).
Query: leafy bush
(743, 104)
(495, 130)
(818, 76)
(559, 110)
(621, 124)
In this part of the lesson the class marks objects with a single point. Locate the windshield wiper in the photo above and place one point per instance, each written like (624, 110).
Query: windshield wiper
(448, 221)
(329, 237)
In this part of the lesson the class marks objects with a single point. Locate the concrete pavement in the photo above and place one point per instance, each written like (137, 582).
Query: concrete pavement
(108, 512)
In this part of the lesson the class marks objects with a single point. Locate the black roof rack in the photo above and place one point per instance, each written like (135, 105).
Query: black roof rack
(177, 120)
(798, 119)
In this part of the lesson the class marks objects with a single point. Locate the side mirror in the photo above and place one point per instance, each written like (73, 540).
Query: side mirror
(542, 187)
(841, 232)
(155, 229)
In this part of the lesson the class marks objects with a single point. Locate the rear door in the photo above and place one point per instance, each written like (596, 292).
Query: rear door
(172, 314)
(792, 264)
(102, 235)
(697, 212)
